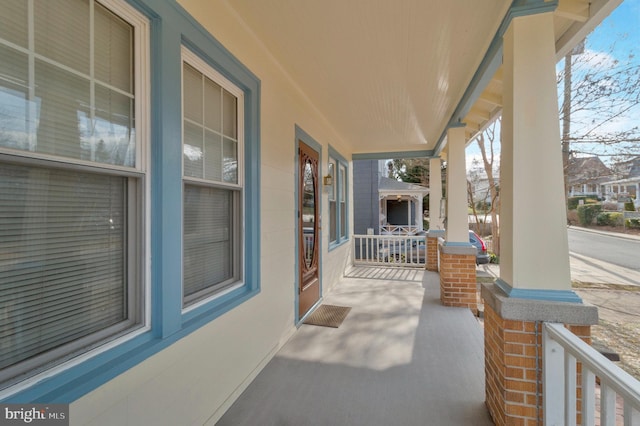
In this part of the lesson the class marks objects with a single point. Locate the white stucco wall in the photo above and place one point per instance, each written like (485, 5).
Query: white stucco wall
(197, 378)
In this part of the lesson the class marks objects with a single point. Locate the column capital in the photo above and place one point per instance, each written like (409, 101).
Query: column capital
(456, 125)
(522, 8)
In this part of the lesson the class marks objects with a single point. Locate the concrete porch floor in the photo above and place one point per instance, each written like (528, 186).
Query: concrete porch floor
(399, 358)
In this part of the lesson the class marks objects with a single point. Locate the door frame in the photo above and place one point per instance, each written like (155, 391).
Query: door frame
(303, 136)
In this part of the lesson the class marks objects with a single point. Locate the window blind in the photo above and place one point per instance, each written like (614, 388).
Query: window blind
(208, 238)
(62, 266)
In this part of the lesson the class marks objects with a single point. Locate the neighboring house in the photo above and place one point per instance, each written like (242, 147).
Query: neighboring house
(385, 205)
(480, 186)
(587, 175)
(626, 182)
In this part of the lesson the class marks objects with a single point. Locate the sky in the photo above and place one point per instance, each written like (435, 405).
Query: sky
(622, 26)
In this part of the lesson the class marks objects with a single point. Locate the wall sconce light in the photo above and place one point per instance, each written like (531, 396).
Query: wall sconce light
(399, 197)
(327, 180)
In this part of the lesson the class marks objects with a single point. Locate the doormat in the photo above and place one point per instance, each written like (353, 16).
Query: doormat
(328, 316)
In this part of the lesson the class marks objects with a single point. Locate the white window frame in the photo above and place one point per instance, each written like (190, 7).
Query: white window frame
(58, 360)
(339, 196)
(237, 280)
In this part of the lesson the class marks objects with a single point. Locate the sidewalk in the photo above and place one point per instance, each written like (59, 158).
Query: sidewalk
(585, 269)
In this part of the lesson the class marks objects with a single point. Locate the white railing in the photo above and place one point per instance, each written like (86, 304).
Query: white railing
(562, 351)
(390, 250)
(399, 229)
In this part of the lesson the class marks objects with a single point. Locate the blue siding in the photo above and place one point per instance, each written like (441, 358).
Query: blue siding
(366, 204)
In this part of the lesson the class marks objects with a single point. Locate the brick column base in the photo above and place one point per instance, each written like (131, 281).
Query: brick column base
(432, 254)
(458, 283)
(513, 353)
(432, 249)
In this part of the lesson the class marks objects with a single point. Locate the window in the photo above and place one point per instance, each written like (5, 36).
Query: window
(337, 199)
(213, 187)
(72, 180)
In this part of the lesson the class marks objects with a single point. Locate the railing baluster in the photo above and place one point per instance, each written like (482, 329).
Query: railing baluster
(607, 405)
(631, 415)
(588, 397)
(553, 378)
(389, 250)
(570, 382)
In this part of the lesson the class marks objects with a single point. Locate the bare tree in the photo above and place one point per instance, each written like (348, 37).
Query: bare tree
(599, 93)
(487, 142)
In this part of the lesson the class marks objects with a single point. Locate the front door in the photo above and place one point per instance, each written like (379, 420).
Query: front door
(308, 229)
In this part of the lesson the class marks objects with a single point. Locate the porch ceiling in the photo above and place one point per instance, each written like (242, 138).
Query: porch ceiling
(391, 75)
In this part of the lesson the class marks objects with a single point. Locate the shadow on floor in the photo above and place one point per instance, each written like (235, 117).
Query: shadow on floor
(399, 358)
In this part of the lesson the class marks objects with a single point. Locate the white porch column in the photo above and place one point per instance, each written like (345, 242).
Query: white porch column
(457, 226)
(534, 254)
(458, 282)
(417, 212)
(435, 194)
(534, 247)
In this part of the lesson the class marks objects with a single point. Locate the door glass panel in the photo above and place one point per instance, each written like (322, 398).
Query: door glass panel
(308, 213)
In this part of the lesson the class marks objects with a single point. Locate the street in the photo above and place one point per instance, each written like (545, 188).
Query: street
(620, 251)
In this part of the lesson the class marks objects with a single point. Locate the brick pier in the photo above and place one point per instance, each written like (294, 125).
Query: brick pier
(458, 282)
(513, 352)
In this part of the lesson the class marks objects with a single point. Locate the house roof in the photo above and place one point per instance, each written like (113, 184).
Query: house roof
(393, 76)
(392, 186)
(588, 170)
(628, 169)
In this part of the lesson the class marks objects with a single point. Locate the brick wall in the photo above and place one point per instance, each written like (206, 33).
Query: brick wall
(432, 254)
(513, 369)
(458, 283)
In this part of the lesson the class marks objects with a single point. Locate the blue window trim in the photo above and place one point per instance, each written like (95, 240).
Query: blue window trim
(171, 27)
(340, 161)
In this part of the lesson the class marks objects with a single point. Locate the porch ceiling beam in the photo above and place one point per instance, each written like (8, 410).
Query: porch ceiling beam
(491, 62)
(493, 99)
(481, 128)
(598, 10)
(576, 10)
(478, 115)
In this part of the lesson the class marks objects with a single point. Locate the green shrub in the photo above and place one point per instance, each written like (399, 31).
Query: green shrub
(629, 207)
(483, 206)
(609, 219)
(493, 258)
(573, 202)
(633, 223)
(588, 212)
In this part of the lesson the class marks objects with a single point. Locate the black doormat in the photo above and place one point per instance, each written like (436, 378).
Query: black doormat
(328, 316)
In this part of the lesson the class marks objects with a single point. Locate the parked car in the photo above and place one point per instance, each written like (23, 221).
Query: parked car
(482, 257)
(399, 251)
(402, 250)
